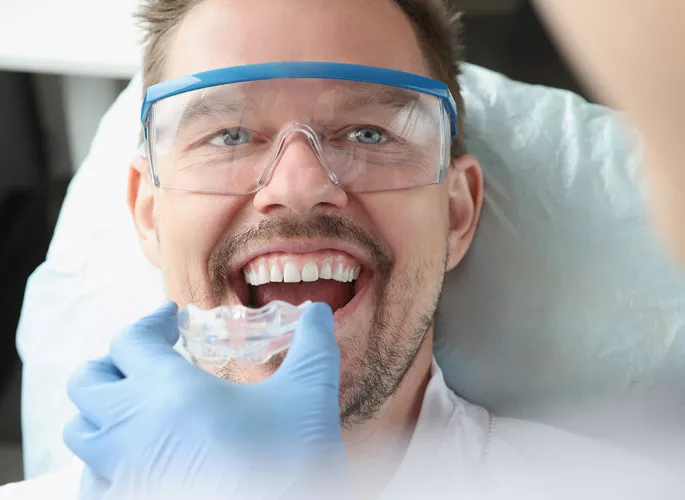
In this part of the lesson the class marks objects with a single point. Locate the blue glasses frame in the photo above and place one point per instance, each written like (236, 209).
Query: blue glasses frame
(322, 70)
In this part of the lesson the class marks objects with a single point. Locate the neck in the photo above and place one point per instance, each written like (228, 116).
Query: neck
(376, 447)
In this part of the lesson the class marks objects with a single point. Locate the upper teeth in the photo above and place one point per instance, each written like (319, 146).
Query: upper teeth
(290, 272)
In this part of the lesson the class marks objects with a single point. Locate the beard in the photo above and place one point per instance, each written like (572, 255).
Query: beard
(375, 361)
(377, 369)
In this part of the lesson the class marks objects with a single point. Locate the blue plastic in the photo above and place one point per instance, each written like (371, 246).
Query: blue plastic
(323, 70)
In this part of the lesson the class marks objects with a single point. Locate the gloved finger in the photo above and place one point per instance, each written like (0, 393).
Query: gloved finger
(148, 344)
(314, 347)
(82, 437)
(93, 487)
(92, 389)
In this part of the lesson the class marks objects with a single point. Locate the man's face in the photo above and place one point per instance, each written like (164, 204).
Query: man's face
(398, 244)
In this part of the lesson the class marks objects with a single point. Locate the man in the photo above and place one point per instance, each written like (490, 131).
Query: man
(289, 188)
(401, 242)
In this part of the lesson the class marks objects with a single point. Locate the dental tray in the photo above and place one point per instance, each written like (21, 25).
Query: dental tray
(249, 336)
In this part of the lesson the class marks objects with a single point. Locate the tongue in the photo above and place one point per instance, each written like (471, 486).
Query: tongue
(333, 293)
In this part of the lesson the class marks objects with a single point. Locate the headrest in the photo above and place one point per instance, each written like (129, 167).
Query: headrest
(565, 299)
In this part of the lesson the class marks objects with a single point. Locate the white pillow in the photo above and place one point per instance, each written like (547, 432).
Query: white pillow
(564, 300)
(567, 308)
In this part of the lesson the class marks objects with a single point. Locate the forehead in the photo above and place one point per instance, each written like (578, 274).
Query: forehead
(222, 33)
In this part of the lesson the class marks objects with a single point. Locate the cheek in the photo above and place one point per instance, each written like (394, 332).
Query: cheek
(413, 223)
(189, 227)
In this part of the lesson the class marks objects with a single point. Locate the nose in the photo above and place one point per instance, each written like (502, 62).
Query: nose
(298, 181)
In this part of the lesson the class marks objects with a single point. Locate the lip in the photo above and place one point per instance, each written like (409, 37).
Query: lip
(302, 247)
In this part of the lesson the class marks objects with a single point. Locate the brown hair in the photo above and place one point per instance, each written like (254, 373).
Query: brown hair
(438, 30)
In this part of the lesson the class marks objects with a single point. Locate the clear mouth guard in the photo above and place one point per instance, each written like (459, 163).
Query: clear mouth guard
(249, 336)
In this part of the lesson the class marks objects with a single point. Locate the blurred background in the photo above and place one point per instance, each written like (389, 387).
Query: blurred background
(59, 72)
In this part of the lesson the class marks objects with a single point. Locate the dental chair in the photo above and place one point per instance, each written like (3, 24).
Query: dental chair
(566, 310)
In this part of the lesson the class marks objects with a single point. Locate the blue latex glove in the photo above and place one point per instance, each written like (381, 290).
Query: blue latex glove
(152, 425)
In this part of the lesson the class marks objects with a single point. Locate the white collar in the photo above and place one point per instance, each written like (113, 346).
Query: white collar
(449, 442)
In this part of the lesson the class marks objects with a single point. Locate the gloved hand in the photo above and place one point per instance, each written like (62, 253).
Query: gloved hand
(152, 425)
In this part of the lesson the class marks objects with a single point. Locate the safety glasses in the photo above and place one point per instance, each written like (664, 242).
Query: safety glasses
(370, 129)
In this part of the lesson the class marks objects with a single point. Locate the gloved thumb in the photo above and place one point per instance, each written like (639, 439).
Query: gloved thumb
(314, 346)
(147, 343)
(163, 322)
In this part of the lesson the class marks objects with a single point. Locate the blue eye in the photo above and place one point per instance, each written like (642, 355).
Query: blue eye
(232, 137)
(367, 135)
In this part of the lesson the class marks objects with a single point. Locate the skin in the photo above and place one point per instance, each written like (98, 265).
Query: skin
(422, 232)
(631, 53)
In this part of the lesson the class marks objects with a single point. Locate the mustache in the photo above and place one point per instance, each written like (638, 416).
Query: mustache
(328, 226)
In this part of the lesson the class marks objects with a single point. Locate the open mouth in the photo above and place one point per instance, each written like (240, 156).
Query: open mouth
(329, 276)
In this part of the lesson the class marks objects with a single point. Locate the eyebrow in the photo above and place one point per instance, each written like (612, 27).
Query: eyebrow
(198, 108)
(391, 97)
(201, 108)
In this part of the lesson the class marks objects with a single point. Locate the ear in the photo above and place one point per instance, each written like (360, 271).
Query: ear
(464, 184)
(141, 203)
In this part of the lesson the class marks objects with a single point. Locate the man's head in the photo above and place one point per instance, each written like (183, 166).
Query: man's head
(397, 244)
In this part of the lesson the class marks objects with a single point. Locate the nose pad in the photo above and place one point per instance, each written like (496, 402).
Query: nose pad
(287, 135)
